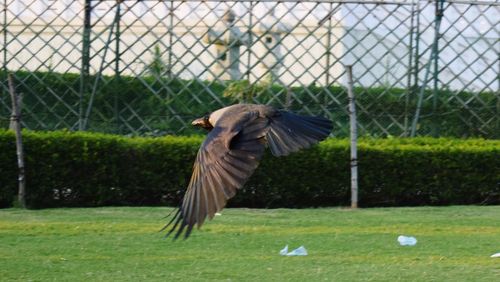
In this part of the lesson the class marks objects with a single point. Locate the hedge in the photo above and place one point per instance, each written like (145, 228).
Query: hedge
(70, 169)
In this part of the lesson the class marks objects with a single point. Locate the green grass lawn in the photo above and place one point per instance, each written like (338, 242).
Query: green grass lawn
(123, 244)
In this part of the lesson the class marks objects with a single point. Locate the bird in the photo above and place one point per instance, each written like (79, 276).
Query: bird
(237, 138)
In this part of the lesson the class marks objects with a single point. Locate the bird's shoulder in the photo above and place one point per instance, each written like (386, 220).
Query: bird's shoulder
(232, 121)
(234, 114)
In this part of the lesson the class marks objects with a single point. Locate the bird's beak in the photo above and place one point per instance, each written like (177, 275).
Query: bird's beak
(198, 122)
(203, 123)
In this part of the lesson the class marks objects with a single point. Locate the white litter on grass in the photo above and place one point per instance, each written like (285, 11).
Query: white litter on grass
(407, 240)
(284, 251)
(217, 214)
(497, 255)
(300, 251)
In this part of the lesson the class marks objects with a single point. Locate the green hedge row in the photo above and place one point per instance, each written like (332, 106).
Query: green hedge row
(87, 169)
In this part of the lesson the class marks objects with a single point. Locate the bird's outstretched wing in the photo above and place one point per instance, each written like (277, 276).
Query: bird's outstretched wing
(225, 161)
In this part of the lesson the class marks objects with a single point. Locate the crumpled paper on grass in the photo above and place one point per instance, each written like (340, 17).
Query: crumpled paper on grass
(300, 251)
(407, 240)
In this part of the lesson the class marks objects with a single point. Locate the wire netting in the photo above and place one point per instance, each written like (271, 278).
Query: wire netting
(150, 67)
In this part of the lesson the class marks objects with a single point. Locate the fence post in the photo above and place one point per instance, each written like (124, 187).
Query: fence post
(170, 31)
(117, 37)
(439, 15)
(98, 76)
(16, 124)
(409, 87)
(437, 25)
(85, 70)
(250, 40)
(19, 106)
(354, 139)
(4, 47)
(117, 79)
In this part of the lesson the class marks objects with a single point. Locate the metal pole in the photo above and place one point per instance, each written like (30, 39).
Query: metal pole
(85, 70)
(117, 78)
(4, 48)
(249, 31)
(439, 14)
(117, 38)
(427, 71)
(409, 87)
(170, 39)
(354, 139)
(328, 53)
(328, 47)
(101, 69)
(417, 51)
(16, 119)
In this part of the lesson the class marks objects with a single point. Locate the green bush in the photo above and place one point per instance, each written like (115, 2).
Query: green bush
(166, 104)
(8, 168)
(87, 169)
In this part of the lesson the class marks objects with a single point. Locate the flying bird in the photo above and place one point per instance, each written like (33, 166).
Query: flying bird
(237, 138)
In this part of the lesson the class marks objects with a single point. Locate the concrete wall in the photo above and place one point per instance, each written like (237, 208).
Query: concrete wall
(48, 35)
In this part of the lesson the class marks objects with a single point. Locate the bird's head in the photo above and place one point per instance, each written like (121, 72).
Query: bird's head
(203, 122)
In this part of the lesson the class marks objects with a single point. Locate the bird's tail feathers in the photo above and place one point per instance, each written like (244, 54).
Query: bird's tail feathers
(289, 132)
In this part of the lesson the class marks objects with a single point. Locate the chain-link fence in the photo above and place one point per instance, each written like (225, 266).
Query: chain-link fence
(150, 67)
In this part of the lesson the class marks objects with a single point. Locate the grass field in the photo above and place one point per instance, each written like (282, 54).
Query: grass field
(123, 244)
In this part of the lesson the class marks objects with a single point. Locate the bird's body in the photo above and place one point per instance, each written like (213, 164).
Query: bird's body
(231, 152)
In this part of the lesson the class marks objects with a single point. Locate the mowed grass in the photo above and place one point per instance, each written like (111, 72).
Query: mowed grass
(123, 244)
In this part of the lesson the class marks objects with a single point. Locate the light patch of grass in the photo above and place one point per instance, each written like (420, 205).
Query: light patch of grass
(123, 244)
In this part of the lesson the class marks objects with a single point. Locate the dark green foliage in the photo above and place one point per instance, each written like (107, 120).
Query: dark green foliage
(84, 169)
(52, 101)
(8, 168)
(124, 104)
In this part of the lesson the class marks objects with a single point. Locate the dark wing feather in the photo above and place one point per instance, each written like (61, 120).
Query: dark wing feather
(225, 161)
(290, 132)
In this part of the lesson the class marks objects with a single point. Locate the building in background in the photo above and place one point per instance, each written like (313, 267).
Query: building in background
(312, 41)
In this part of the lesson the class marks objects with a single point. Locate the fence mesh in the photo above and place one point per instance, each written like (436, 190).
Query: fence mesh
(150, 67)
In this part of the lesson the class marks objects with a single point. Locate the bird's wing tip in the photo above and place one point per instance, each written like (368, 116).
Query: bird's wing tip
(179, 224)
